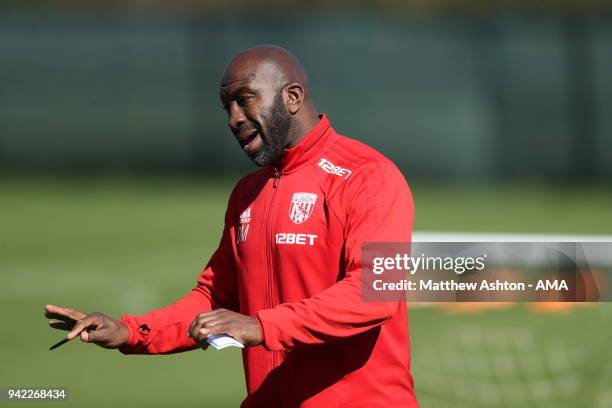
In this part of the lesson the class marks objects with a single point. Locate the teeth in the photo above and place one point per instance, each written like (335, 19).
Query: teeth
(249, 139)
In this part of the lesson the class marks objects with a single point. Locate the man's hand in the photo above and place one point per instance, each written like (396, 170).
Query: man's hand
(243, 328)
(94, 328)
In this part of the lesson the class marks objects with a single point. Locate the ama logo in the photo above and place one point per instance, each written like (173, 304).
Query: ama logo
(301, 208)
(243, 228)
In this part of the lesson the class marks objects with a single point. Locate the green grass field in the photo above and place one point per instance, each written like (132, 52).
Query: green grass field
(130, 245)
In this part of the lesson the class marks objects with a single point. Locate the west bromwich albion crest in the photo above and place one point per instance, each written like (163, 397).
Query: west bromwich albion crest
(302, 205)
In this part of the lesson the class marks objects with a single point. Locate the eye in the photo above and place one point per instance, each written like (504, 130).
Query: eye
(244, 100)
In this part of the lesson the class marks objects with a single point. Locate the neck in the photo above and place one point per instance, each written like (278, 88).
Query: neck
(301, 127)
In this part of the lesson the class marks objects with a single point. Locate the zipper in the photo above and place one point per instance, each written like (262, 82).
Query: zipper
(269, 252)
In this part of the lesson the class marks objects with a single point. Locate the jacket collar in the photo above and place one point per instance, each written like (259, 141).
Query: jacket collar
(308, 148)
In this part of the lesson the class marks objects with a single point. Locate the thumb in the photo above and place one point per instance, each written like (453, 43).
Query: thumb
(91, 335)
(104, 337)
(86, 336)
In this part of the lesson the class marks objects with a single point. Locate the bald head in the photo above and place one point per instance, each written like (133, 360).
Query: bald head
(265, 92)
(281, 65)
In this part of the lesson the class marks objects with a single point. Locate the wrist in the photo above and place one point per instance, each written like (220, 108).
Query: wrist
(130, 341)
(260, 334)
(124, 334)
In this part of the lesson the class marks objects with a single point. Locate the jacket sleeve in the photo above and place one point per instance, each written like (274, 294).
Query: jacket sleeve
(164, 331)
(379, 208)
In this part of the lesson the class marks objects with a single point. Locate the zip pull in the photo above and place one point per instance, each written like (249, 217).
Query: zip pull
(276, 177)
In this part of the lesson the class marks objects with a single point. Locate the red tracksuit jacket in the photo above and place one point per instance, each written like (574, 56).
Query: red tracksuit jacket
(290, 255)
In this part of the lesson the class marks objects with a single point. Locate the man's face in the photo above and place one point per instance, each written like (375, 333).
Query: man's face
(257, 115)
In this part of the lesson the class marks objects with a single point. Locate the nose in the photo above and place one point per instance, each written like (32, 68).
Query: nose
(236, 117)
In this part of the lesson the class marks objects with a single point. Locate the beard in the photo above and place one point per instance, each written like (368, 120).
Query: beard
(277, 135)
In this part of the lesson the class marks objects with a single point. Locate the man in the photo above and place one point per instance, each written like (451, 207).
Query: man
(286, 278)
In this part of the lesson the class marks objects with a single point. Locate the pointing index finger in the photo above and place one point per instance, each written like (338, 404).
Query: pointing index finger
(64, 311)
(58, 317)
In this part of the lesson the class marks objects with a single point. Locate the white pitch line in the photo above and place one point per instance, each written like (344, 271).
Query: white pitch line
(430, 236)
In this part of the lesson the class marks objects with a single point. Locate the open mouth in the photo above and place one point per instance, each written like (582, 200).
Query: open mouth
(245, 139)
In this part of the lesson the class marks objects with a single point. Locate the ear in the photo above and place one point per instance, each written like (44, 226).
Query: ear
(295, 97)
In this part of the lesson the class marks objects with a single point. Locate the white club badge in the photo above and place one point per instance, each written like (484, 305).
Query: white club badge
(301, 208)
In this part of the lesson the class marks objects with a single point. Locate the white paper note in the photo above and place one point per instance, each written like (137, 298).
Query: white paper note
(221, 341)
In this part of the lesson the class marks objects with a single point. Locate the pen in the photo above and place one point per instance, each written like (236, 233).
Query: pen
(59, 343)
(65, 340)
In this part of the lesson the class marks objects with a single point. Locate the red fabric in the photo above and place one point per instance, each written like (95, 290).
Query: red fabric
(323, 346)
